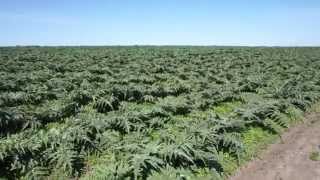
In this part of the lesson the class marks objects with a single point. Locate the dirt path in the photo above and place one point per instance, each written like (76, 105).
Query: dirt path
(289, 159)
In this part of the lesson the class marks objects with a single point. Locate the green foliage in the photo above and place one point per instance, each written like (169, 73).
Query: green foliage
(175, 105)
(171, 173)
(104, 106)
(146, 112)
(314, 156)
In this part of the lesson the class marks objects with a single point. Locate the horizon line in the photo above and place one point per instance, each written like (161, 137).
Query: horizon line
(156, 45)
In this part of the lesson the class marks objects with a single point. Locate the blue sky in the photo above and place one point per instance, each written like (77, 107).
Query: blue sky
(160, 22)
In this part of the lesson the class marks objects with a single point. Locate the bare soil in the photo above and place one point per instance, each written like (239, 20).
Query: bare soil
(290, 158)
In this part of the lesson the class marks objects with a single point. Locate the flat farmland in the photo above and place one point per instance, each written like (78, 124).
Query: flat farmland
(147, 112)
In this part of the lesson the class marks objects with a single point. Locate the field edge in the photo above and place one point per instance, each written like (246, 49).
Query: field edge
(263, 139)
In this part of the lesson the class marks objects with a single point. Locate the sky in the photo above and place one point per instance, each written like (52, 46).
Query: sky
(160, 22)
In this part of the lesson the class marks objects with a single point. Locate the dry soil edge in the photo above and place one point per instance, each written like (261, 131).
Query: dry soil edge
(288, 159)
